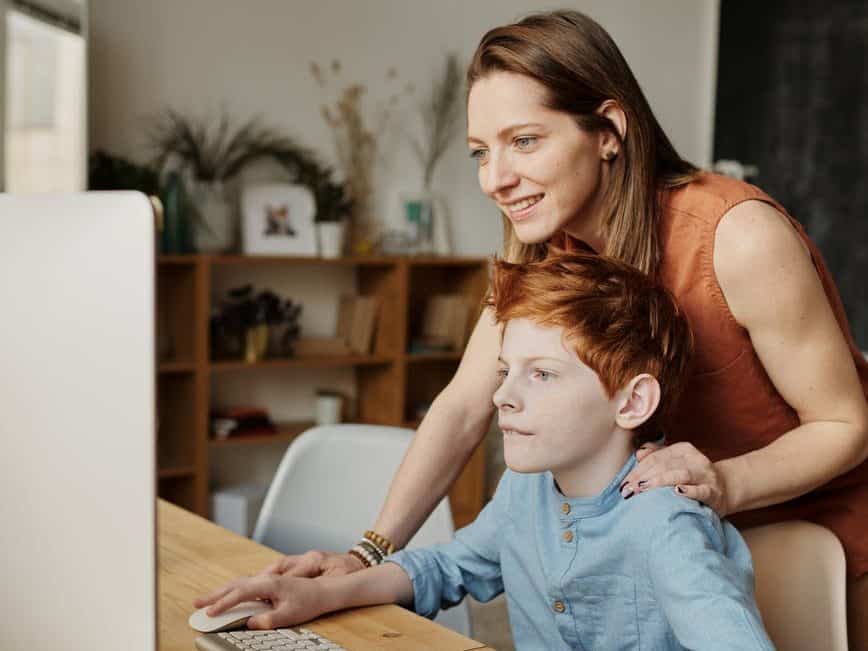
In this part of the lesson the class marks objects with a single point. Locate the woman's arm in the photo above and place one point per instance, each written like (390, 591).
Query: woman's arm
(772, 288)
(454, 425)
(773, 291)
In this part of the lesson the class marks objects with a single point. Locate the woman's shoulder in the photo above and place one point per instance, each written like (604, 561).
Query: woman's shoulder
(708, 197)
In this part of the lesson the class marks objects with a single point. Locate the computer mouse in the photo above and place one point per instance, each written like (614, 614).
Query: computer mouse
(235, 617)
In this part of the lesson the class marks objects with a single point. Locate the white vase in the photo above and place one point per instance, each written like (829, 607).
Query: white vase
(330, 237)
(328, 408)
(214, 226)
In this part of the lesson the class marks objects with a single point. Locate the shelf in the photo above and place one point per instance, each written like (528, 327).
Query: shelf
(448, 356)
(176, 367)
(176, 260)
(256, 260)
(446, 260)
(312, 361)
(286, 432)
(174, 473)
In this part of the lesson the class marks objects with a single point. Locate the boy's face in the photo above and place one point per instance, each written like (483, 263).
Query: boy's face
(552, 408)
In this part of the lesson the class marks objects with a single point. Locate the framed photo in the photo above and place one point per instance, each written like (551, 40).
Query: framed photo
(277, 219)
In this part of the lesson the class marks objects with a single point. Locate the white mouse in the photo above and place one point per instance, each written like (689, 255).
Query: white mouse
(235, 617)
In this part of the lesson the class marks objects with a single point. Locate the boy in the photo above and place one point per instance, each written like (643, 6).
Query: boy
(592, 359)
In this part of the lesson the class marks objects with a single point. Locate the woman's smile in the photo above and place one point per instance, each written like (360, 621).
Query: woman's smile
(521, 209)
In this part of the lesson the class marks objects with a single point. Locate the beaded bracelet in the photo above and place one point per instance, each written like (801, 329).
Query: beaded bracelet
(380, 541)
(375, 551)
(354, 552)
(379, 549)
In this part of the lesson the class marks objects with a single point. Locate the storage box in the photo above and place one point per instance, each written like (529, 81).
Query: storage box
(237, 507)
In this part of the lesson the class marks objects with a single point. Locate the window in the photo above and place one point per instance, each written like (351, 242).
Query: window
(45, 106)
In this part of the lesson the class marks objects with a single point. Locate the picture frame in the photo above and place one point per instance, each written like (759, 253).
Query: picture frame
(278, 219)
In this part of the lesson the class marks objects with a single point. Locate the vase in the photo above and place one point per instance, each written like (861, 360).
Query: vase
(214, 228)
(330, 238)
(176, 237)
(426, 217)
(255, 343)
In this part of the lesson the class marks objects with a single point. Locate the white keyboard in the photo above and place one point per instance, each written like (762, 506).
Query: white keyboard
(281, 639)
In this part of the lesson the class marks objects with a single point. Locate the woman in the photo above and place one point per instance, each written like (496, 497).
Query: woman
(774, 423)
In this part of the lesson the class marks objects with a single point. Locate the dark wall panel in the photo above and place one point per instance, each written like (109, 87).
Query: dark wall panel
(793, 99)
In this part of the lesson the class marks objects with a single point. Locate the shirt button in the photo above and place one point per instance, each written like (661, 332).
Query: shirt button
(568, 536)
(559, 606)
(565, 508)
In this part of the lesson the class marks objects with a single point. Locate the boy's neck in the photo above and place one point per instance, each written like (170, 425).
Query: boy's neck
(589, 477)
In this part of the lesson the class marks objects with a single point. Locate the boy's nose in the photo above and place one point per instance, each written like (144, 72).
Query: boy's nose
(504, 398)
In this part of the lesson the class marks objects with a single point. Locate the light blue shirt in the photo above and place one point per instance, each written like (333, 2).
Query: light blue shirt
(657, 571)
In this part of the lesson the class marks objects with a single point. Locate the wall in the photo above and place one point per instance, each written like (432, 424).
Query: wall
(253, 58)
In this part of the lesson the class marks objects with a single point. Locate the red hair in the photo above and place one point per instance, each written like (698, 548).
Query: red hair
(621, 322)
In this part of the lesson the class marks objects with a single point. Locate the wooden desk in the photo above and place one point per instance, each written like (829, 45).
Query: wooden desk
(195, 556)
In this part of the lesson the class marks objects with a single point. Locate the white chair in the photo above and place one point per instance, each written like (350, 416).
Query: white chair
(329, 488)
(801, 587)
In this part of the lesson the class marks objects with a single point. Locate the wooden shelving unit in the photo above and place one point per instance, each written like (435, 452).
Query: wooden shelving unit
(385, 393)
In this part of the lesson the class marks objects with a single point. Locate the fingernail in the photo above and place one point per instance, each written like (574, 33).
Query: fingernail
(626, 492)
(679, 489)
(643, 483)
(623, 483)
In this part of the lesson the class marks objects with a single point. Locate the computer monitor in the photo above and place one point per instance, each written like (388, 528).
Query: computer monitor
(77, 423)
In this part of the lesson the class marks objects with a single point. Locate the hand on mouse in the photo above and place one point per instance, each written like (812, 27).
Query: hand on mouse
(294, 600)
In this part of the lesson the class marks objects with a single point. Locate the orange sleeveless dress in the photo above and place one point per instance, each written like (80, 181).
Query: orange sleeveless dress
(730, 406)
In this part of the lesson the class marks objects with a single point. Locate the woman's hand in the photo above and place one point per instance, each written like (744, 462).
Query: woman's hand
(314, 563)
(680, 465)
(294, 600)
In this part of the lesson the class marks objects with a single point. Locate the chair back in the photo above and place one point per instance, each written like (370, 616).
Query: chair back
(800, 585)
(328, 489)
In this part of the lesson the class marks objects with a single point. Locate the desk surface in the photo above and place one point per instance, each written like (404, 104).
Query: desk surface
(195, 556)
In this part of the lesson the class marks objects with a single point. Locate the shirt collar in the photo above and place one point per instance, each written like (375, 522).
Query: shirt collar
(606, 500)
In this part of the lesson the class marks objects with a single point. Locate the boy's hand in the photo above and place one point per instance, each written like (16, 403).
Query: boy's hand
(315, 563)
(294, 600)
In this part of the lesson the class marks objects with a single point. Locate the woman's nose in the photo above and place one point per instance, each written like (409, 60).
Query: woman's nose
(498, 175)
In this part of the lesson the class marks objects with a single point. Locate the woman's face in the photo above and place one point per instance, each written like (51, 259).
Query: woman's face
(544, 172)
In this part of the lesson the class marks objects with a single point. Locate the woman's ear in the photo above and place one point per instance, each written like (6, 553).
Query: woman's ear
(610, 146)
(637, 401)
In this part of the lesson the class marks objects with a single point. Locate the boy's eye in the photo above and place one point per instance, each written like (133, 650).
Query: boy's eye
(502, 373)
(525, 142)
(542, 375)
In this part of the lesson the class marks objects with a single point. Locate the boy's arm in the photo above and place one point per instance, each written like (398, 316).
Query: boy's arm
(383, 584)
(707, 595)
(441, 575)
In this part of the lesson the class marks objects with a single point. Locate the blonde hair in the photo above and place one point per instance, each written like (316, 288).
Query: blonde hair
(580, 66)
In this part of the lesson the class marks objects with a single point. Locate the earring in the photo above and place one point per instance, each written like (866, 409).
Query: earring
(611, 154)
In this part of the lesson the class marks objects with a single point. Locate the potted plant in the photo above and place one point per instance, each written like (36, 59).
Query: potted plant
(212, 154)
(250, 326)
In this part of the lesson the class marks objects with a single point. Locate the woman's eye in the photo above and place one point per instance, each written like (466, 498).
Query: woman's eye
(542, 375)
(502, 373)
(478, 154)
(525, 142)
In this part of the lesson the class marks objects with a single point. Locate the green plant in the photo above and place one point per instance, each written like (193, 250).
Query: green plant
(440, 113)
(219, 151)
(109, 172)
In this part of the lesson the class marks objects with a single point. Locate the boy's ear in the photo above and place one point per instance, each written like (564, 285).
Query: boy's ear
(638, 401)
